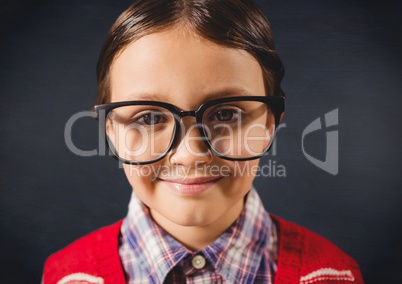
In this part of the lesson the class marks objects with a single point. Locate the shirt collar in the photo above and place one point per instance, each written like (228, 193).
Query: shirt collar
(236, 254)
(155, 251)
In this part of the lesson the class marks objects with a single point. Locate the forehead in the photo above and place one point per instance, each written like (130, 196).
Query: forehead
(179, 66)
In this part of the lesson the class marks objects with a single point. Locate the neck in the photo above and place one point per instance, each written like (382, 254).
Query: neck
(197, 238)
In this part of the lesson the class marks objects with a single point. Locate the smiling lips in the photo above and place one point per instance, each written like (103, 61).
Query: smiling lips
(191, 186)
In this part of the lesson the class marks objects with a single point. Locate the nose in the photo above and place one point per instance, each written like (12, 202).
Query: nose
(190, 149)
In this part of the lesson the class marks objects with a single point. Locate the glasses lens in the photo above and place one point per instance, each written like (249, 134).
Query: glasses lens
(239, 129)
(139, 133)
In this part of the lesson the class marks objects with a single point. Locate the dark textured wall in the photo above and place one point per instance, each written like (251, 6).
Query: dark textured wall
(341, 55)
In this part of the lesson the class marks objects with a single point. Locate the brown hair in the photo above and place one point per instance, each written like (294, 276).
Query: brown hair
(231, 23)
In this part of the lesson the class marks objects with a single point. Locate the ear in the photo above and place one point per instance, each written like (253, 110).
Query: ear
(280, 118)
(110, 134)
(109, 129)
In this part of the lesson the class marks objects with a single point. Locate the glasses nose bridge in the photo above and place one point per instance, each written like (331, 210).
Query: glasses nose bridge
(188, 113)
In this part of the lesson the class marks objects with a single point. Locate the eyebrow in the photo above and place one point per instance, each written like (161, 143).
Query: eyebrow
(228, 92)
(146, 97)
(223, 93)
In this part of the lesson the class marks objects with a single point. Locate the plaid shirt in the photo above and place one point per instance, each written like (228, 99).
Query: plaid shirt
(245, 253)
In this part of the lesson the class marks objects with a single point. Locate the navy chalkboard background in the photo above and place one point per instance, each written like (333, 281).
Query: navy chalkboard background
(339, 55)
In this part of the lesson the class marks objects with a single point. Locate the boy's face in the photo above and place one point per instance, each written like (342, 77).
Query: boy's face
(190, 186)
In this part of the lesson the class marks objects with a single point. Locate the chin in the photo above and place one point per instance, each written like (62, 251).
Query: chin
(190, 218)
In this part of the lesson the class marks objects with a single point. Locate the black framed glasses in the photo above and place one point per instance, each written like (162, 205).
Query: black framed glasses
(234, 128)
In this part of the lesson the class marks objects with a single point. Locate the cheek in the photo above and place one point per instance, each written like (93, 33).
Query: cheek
(242, 173)
(140, 177)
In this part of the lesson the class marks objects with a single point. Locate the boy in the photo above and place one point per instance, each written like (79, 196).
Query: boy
(189, 97)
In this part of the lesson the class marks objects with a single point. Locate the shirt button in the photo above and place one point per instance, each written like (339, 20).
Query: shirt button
(198, 261)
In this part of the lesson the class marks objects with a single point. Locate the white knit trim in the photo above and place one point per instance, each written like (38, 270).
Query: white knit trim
(81, 278)
(327, 274)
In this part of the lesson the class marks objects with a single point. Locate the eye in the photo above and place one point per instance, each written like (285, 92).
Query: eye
(152, 118)
(225, 115)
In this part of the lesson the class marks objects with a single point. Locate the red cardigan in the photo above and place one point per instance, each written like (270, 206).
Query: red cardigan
(303, 257)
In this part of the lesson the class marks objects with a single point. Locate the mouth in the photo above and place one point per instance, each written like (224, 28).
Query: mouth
(191, 186)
